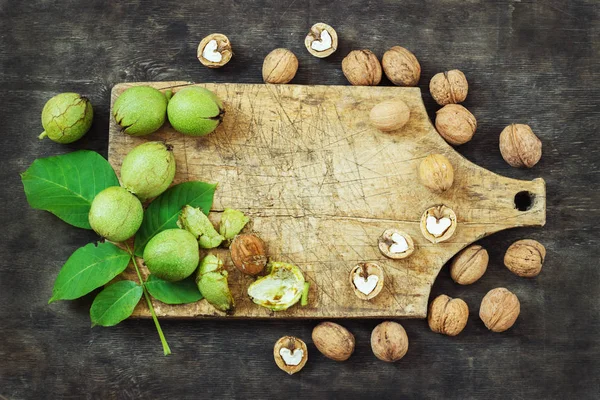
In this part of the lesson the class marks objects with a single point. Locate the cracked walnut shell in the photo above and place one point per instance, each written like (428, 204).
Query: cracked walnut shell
(401, 66)
(499, 309)
(362, 68)
(290, 354)
(447, 315)
(525, 258)
(450, 87)
(280, 66)
(469, 265)
(455, 124)
(519, 146)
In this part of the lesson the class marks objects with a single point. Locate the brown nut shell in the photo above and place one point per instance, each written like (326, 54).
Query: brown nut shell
(525, 258)
(333, 340)
(280, 66)
(439, 213)
(450, 87)
(455, 124)
(447, 315)
(401, 66)
(362, 273)
(469, 265)
(386, 241)
(519, 146)
(362, 68)
(436, 173)
(315, 35)
(389, 341)
(499, 309)
(248, 253)
(223, 46)
(292, 344)
(389, 115)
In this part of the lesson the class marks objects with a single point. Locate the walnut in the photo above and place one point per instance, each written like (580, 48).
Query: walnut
(447, 315)
(395, 244)
(469, 265)
(389, 341)
(455, 124)
(290, 354)
(362, 68)
(499, 309)
(436, 173)
(367, 280)
(525, 258)
(249, 254)
(321, 41)
(519, 146)
(214, 50)
(280, 66)
(450, 87)
(401, 66)
(333, 340)
(438, 223)
(390, 115)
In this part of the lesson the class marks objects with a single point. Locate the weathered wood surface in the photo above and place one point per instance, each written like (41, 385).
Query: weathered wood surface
(533, 61)
(321, 184)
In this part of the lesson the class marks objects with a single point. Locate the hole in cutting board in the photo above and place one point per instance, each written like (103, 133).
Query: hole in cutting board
(524, 201)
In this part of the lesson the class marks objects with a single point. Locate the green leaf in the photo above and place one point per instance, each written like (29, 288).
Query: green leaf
(115, 303)
(164, 211)
(182, 292)
(88, 268)
(66, 185)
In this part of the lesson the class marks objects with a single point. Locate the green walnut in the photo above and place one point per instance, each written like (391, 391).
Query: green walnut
(195, 111)
(232, 223)
(172, 254)
(148, 169)
(212, 283)
(116, 214)
(140, 110)
(66, 118)
(279, 290)
(197, 223)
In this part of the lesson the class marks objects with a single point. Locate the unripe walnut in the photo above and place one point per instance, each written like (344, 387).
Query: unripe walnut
(519, 146)
(525, 258)
(401, 66)
(447, 315)
(362, 68)
(455, 124)
(389, 341)
(280, 66)
(469, 265)
(499, 309)
(450, 87)
(436, 173)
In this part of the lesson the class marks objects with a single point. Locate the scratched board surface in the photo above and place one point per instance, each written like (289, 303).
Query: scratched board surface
(320, 186)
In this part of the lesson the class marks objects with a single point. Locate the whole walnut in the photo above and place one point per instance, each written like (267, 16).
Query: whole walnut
(499, 309)
(389, 341)
(362, 68)
(401, 66)
(436, 173)
(455, 124)
(447, 315)
(469, 265)
(333, 340)
(519, 146)
(280, 66)
(450, 87)
(525, 258)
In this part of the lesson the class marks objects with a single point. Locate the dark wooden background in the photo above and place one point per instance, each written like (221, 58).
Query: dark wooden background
(527, 61)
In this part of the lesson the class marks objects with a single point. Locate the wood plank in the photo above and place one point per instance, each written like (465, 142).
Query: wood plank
(320, 185)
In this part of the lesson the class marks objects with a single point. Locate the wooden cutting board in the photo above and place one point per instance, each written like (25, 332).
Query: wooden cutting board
(320, 186)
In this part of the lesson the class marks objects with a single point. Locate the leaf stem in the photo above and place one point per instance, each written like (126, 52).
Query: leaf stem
(163, 340)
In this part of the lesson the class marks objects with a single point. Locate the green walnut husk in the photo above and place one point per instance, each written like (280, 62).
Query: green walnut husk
(279, 290)
(140, 110)
(66, 118)
(195, 111)
(212, 283)
(116, 214)
(197, 223)
(148, 170)
(172, 255)
(232, 223)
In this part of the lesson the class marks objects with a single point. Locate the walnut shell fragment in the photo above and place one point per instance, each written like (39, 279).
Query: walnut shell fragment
(214, 50)
(396, 244)
(321, 41)
(366, 280)
(438, 223)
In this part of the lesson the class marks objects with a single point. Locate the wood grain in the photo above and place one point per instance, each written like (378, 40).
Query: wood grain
(320, 186)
